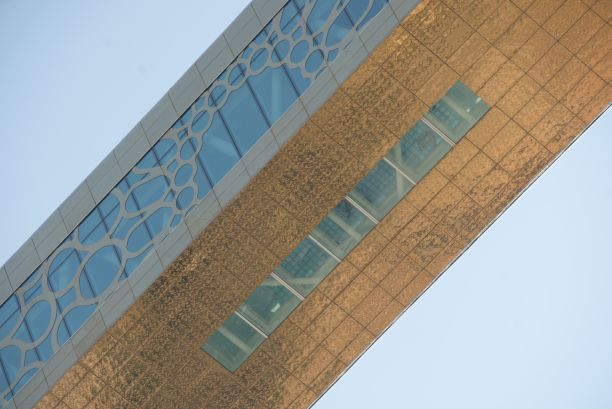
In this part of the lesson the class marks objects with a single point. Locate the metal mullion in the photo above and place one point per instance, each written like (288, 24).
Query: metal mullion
(361, 209)
(438, 131)
(287, 286)
(398, 170)
(325, 249)
(250, 324)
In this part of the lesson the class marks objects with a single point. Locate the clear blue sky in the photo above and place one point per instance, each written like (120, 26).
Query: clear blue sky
(522, 320)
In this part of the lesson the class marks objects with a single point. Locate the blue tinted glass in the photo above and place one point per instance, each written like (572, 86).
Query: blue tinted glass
(233, 342)
(201, 179)
(38, 319)
(356, 8)
(380, 190)
(9, 315)
(200, 121)
(183, 174)
(342, 228)
(65, 300)
(218, 154)
(376, 7)
(147, 193)
(63, 268)
(306, 267)
(457, 111)
(134, 262)
(24, 379)
(76, 317)
(418, 151)
(319, 14)
(274, 92)
(9, 356)
(100, 270)
(243, 118)
(290, 16)
(184, 198)
(159, 155)
(139, 238)
(124, 227)
(339, 29)
(269, 305)
(298, 80)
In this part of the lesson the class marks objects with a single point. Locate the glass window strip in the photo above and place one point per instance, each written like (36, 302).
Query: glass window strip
(439, 132)
(287, 286)
(360, 209)
(325, 249)
(250, 324)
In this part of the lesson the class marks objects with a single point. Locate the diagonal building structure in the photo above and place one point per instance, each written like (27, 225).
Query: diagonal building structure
(298, 188)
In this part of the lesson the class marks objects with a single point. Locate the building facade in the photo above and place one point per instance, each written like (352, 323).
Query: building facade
(296, 190)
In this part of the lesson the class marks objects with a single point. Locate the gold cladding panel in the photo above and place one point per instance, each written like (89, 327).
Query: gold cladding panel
(544, 66)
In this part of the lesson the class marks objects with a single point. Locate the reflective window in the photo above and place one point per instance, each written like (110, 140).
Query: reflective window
(306, 267)
(457, 111)
(274, 91)
(418, 151)
(218, 153)
(99, 221)
(342, 228)
(380, 190)
(269, 305)
(233, 342)
(243, 117)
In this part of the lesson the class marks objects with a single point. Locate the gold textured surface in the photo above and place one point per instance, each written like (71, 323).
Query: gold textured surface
(545, 68)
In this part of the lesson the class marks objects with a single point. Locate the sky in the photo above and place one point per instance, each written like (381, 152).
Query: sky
(521, 320)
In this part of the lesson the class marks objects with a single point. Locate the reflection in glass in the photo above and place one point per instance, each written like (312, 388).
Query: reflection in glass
(233, 342)
(418, 151)
(380, 190)
(269, 305)
(218, 153)
(457, 111)
(306, 267)
(342, 228)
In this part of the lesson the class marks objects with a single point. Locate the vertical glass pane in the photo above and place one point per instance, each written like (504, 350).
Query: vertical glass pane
(457, 111)
(233, 342)
(418, 151)
(342, 228)
(269, 305)
(218, 153)
(306, 267)
(274, 92)
(243, 118)
(380, 190)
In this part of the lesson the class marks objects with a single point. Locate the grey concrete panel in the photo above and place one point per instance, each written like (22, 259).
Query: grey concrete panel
(202, 214)
(319, 92)
(58, 359)
(174, 244)
(132, 148)
(159, 119)
(87, 335)
(22, 263)
(214, 60)
(353, 55)
(104, 177)
(50, 234)
(239, 182)
(242, 30)
(266, 9)
(32, 391)
(187, 89)
(288, 125)
(115, 305)
(69, 358)
(378, 29)
(6, 289)
(77, 206)
(257, 158)
(402, 8)
(145, 274)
